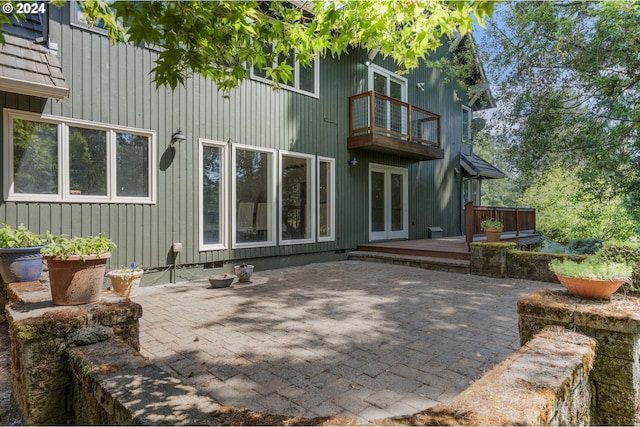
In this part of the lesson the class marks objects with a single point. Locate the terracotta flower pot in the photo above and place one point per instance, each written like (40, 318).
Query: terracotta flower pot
(126, 284)
(589, 288)
(493, 234)
(74, 281)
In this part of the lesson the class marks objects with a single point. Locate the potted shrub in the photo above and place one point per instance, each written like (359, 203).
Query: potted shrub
(126, 281)
(20, 258)
(76, 267)
(492, 229)
(591, 278)
(244, 272)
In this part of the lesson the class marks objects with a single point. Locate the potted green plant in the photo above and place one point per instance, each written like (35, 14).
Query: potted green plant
(591, 278)
(20, 258)
(76, 267)
(126, 281)
(492, 229)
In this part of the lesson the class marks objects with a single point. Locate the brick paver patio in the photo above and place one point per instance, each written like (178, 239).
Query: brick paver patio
(344, 338)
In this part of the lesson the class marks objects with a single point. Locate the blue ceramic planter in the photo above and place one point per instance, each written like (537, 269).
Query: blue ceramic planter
(20, 264)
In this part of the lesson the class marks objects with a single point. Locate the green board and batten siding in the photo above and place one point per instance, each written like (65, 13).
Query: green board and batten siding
(111, 84)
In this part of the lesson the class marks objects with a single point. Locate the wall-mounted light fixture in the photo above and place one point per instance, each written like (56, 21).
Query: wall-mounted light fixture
(353, 161)
(420, 86)
(178, 136)
(371, 56)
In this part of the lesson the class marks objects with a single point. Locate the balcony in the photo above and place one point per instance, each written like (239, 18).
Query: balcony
(387, 125)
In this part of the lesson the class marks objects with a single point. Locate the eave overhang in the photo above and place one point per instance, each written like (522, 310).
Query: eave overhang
(476, 167)
(28, 68)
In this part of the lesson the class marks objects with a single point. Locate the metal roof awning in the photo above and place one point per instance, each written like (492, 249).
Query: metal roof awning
(476, 167)
(29, 68)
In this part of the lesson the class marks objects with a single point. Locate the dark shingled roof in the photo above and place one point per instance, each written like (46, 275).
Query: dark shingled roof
(478, 168)
(29, 68)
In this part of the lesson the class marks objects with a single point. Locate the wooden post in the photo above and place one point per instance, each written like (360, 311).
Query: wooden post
(469, 225)
(372, 116)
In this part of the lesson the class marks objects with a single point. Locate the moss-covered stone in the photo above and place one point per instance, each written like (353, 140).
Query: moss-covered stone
(543, 383)
(617, 400)
(490, 259)
(534, 265)
(615, 324)
(493, 245)
(620, 345)
(41, 379)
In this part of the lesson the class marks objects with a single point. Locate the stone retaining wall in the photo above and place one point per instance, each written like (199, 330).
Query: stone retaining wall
(503, 260)
(115, 385)
(546, 382)
(615, 324)
(40, 334)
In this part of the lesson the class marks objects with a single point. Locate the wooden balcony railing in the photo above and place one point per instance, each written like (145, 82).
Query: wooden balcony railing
(517, 221)
(382, 123)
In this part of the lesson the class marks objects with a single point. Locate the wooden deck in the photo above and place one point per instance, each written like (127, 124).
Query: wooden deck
(445, 247)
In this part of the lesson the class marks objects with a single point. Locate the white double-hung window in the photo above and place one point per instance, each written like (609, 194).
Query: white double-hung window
(54, 159)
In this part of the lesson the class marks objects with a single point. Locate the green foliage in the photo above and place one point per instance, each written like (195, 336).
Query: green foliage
(591, 268)
(495, 192)
(585, 246)
(221, 40)
(19, 237)
(491, 223)
(623, 252)
(35, 152)
(63, 247)
(568, 78)
(88, 161)
(568, 209)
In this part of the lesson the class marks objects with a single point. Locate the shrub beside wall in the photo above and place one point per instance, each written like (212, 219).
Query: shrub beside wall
(534, 265)
(624, 252)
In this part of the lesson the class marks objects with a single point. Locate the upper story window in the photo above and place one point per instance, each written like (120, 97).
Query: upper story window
(467, 115)
(387, 83)
(306, 80)
(79, 19)
(53, 159)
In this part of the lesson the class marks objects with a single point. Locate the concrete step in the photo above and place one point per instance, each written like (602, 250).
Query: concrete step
(428, 263)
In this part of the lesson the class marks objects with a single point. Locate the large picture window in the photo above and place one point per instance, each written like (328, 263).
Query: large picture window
(52, 159)
(213, 200)
(253, 195)
(297, 198)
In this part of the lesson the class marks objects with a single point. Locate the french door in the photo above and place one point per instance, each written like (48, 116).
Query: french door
(388, 202)
(388, 115)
